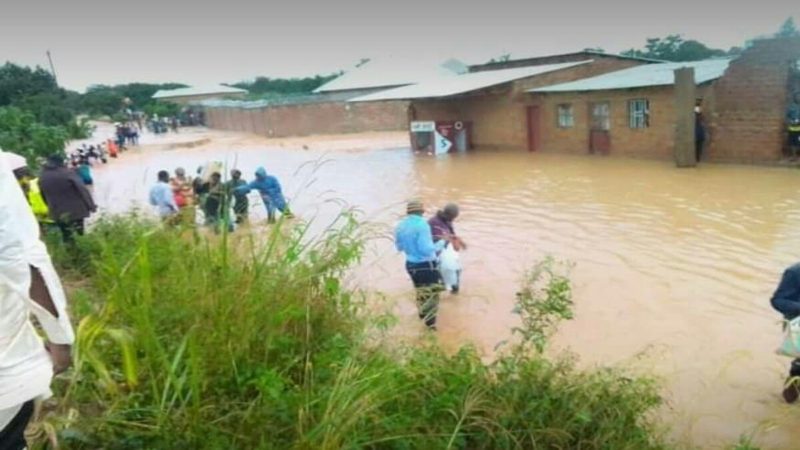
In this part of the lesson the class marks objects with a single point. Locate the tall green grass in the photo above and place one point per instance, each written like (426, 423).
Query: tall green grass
(234, 342)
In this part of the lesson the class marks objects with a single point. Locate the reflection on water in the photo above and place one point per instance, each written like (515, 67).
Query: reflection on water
(673, 268)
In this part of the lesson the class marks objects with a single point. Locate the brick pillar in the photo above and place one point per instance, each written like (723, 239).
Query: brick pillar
(684, 117)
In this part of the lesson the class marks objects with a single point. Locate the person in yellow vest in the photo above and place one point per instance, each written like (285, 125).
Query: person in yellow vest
(30, 186)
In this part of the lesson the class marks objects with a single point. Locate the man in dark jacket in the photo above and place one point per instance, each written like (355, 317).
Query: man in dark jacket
(786, 300)
(68, 200)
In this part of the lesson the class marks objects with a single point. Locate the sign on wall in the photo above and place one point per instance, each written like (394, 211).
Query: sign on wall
(423, 127)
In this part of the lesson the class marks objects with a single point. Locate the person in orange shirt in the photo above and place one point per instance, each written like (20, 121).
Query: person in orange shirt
(183, 190)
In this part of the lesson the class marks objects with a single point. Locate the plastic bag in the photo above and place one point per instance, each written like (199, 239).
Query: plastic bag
(791, 339)
(449, 266)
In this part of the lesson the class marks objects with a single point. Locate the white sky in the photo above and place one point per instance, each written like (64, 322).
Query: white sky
(109, 41)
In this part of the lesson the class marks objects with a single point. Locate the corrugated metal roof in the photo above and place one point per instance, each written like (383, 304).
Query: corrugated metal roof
(532, 60)
(662, 74)
(458, 84)
(391, 72)
(198, 90)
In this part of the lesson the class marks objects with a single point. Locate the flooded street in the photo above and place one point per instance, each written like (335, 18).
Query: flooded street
(673, 268)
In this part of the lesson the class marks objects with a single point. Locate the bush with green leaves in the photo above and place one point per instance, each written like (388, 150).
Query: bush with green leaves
(252, 341)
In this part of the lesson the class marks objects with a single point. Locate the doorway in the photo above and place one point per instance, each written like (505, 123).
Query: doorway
(599, 133)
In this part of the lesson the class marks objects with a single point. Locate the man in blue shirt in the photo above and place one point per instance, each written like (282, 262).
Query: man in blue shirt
(271, 194)
(162, 197)
(786, 300)
(414, 238)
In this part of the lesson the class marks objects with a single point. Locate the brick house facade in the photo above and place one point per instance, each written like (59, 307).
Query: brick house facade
(498, 114)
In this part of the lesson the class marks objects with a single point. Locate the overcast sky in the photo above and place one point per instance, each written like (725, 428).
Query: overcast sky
(205, 42)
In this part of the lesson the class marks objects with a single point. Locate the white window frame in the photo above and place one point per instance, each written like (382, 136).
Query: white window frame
(565, 115)
(639, 113)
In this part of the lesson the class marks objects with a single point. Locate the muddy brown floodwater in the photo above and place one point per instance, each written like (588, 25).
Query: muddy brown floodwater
(673, 268)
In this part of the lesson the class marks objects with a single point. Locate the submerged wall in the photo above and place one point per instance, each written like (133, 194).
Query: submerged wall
(309, 118)
(747, 123)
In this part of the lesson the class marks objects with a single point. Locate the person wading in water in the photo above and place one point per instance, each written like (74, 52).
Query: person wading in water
(442, 227)
(786, 300)
(414, 238)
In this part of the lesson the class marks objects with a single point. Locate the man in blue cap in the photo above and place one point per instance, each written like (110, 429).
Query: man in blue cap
(413, 237)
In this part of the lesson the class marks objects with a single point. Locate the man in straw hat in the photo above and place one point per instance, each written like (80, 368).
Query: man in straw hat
(413, 237)
(28, 285)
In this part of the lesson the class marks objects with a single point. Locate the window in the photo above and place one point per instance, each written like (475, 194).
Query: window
(565, 117)
(639, 113)
(601, 119)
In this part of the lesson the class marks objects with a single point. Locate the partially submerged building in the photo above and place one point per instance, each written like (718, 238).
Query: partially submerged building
(490, 102)
(631, 112)
(183, 96)
(327, 111)
(590, 102)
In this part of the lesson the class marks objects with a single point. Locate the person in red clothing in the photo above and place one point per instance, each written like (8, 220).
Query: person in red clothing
(442, 228)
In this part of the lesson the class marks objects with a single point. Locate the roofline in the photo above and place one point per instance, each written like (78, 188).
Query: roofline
(383, 86)
(582, 52)
(458, 94)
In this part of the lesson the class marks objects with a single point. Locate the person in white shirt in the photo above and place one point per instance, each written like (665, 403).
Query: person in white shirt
(29, 285)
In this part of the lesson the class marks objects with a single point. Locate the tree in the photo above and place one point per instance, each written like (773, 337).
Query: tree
(284, 86)
(788, 29)
(22, 134)
(675, 48)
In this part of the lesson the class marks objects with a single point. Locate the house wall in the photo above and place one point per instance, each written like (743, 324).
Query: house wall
(499, 116)
(747, 124)
(310, 118)
(656, 141)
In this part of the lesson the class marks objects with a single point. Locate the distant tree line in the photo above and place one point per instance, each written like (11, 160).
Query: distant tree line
(262, 86)
(675, 48)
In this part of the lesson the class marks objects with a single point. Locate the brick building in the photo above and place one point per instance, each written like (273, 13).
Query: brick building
(493, 98)
(590, 102)
(327, 110)
(747, 122)
(631, 112)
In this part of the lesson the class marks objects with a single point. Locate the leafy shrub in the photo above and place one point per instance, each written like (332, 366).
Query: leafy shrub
(252, 342)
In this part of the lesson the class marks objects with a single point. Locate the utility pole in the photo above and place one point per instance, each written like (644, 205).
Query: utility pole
(52, 67)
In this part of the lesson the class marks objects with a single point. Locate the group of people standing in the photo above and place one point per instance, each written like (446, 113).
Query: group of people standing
(58, 196)
(177, 199)
(422, 241)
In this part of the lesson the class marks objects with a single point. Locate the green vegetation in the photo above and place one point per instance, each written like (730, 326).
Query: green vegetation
(265, 87)
(36, 116)
(225, 342)
(675, 48)
(102, 100)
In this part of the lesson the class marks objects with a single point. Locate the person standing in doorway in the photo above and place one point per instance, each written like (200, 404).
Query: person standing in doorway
(699, 131)
(793, 126)
(414, 238)
(29, 285)
(162, 198)
(442, 228)
(786, 300)
(67, 198)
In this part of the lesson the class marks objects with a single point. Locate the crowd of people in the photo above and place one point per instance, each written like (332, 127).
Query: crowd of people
(223, 205)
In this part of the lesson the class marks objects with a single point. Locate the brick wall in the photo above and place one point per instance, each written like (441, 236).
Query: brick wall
(747, 122)
(498, 115)
(656, 141)
(309, 119)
